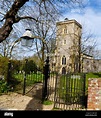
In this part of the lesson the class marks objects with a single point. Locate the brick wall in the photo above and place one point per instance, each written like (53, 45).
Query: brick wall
(94, 94)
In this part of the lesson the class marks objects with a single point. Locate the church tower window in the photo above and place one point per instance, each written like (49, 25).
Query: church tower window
(65, 30)
(63, 60)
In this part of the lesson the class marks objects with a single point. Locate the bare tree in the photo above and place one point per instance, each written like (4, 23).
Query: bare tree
(88, 43)
(10, 18)
(11, 46)
(45, 30)
(11, 15)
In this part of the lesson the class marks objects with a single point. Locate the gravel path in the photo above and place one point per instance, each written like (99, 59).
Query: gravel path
(30, 101)
(15, 101)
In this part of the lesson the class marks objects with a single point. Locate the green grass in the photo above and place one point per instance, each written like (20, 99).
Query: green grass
(93, 75)
(31, 79)
(47, 102)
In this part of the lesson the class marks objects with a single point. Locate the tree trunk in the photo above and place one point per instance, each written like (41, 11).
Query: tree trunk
(10, 19)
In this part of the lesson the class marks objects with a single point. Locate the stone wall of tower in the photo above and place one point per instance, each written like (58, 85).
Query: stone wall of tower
(68, 44)
(68, 39)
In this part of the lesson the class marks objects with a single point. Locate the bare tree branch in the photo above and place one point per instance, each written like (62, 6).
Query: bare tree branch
(10, 19)
(25, 17)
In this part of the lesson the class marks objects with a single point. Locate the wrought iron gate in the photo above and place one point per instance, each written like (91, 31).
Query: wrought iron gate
(70, 92)
(22, 78)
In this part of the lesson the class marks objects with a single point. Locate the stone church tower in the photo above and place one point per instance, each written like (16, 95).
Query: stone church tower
(68, 43)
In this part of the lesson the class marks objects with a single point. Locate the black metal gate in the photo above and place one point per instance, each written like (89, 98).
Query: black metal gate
(27, 81)
(23, 79)
(70, 92)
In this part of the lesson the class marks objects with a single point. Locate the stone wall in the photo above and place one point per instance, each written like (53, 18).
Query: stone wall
(94, 94)
(91, 65)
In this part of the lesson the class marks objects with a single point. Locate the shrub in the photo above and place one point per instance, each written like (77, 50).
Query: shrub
(3, 66)
(3, 87)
